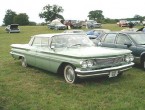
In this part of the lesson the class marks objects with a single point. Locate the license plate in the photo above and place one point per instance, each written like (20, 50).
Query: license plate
(113, 74)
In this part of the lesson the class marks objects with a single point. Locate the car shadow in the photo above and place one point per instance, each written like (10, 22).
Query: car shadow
(105, 80)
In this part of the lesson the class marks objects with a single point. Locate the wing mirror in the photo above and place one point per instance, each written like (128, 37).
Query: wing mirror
(128, 44)
(99, 44)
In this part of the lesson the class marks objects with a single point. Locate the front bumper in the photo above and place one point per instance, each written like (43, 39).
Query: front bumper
(105, 71)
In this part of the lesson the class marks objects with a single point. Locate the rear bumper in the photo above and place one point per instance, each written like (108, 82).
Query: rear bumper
(105, 71)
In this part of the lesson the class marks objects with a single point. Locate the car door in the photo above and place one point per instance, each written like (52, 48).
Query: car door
(32, 51)
(42, 54)
(108, 40)
(123, 41)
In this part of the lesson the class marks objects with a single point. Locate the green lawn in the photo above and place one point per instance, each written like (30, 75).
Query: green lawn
(34, 89)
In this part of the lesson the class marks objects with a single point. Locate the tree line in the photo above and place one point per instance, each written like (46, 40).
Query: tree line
(50, 13)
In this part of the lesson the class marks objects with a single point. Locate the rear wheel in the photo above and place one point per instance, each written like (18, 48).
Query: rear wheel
(23, 61)
(69, 74)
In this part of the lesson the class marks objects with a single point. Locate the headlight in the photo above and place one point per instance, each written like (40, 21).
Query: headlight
(90, 63)
(87, 63)
(84, 64)
(129, 58)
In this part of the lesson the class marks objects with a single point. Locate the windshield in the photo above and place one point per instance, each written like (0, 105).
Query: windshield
(63, 41)
(138, 38)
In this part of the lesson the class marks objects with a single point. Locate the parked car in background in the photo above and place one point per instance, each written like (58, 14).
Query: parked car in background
(97, 32)
(13, 28)
(74, 31)
(57, 25)
(122, 23)
(134, 41)
(93, 24)
(72, 55)
(74, 24)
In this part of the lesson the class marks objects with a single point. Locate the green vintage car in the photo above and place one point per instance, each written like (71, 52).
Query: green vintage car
(73, 55)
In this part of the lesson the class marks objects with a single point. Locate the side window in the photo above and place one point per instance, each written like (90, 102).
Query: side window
(40, 42)
(57, 41)
(44, 42)
(103, 38)
(121, 39)
(110, 38)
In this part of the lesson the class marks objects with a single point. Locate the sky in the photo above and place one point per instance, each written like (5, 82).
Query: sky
(75, 9)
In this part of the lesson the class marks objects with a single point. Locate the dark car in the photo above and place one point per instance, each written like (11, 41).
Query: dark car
(13, 28)
(134, 41)
(74, 24)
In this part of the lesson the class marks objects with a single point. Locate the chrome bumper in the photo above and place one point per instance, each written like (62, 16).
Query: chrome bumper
(104, 71)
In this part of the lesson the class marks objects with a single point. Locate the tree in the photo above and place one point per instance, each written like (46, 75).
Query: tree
(9, 17)
(138, 17)
(21, 19)
(96, 15)
(51, 12)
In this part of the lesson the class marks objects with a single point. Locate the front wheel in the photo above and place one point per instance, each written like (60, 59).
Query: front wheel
(69, 74)
(23, 61)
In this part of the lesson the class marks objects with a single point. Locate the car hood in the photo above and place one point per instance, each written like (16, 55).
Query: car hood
(92, 52)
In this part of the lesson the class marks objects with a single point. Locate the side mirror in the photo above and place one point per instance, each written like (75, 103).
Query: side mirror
(99, 44)
(128, 44)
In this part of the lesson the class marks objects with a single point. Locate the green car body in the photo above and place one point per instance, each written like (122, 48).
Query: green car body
(74, 55)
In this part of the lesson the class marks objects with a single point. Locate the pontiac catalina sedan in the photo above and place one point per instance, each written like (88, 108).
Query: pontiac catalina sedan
(73, 55)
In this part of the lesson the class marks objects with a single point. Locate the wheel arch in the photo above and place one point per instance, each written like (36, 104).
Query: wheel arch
(142, 57)
(20, 57)
(62, 66)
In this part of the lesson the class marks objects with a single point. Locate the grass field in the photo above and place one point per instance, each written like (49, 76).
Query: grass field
(34, 89)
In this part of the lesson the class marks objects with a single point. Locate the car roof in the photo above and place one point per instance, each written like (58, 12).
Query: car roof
(56, 34)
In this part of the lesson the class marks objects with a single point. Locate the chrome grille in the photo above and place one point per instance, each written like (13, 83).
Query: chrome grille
(110, 61)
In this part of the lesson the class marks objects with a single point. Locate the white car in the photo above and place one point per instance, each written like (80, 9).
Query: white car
(75, 31)
(93, 24)
(13, 28)
(57, 25)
